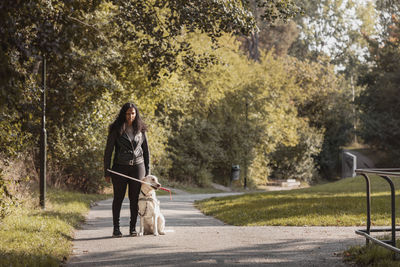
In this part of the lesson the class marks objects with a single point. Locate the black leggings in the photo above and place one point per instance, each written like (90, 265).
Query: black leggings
(119, 186)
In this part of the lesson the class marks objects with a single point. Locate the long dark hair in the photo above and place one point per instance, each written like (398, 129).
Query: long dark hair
(138, 124)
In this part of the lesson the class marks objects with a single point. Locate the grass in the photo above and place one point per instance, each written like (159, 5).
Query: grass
(36, 237)
(371, 255)
(342, 203)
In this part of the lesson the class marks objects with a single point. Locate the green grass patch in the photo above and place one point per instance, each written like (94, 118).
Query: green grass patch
(36, 237)
(372, 255)
(341, 203)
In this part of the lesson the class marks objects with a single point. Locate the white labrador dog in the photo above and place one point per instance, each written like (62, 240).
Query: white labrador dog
(151, 219)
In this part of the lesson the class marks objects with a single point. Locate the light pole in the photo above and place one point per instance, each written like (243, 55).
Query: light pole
(354, 110)
(43, 140)
(246, 146)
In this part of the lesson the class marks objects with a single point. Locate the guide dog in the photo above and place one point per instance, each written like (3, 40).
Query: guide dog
(151, 219)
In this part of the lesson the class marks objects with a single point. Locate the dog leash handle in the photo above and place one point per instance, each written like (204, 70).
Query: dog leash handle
(140, 181)
(165, 189)
(126, 176)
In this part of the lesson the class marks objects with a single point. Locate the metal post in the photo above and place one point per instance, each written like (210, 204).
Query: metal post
(393, 202)
(343, 164)
(43, 140)
(385, 174)
(368, 189)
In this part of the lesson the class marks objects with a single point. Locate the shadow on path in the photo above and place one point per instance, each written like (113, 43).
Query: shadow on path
(195, 239)
(293, 252)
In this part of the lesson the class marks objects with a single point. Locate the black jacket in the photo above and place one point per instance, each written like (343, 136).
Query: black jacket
(126, 152)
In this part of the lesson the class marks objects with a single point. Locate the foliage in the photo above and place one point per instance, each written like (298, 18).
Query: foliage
(332, 31)
(189, 79)
(241, 112)
(35, 237)
(161, 23)
(298, 161)
(379, 102)
(95, 52)
(324, 101)
(6, 199)
(12, 134)
(17, 177)
(340, 203)
(334, 28)
(194, 150)
(371, 255)
(280, 35)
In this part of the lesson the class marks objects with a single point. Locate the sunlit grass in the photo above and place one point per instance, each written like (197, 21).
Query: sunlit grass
(341, 203)
(372, 255)
(36, 237)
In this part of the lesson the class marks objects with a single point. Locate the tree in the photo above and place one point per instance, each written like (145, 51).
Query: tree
(324, 100)
(98, 52)
(210, 127)
(335, 28)
(267, 15)
(379, 103)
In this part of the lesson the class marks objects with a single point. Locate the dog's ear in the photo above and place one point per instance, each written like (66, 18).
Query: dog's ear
(153, 178)
(146, 188)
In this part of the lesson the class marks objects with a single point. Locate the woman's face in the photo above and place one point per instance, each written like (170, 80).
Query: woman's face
(130, 115)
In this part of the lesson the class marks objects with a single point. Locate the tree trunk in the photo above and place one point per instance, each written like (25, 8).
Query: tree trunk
(252, 46)
(252, 40)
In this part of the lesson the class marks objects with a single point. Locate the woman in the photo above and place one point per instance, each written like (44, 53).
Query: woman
(126, 137)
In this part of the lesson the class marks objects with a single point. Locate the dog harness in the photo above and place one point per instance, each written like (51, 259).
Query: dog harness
(142, 197)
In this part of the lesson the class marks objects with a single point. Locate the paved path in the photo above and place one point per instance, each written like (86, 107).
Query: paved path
(195, 239)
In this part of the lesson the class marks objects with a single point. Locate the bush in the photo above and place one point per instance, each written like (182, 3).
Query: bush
(6, 199)
(298, 162)
(18, 178)
(193, 152)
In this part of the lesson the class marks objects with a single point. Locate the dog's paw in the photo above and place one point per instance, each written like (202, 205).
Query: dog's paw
(162, 233)
(156, 234)
(140, 234)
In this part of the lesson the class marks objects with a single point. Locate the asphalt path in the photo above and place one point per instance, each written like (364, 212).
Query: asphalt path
(193, 239)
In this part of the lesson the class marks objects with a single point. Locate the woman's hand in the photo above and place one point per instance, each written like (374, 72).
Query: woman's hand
(108, 179)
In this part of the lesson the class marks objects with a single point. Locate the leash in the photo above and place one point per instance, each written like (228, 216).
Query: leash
(140, 181)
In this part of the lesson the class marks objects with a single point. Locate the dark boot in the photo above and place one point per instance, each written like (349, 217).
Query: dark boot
(132, 229)
(116, 232)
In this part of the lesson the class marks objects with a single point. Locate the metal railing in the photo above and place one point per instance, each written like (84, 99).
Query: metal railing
(384, 174)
